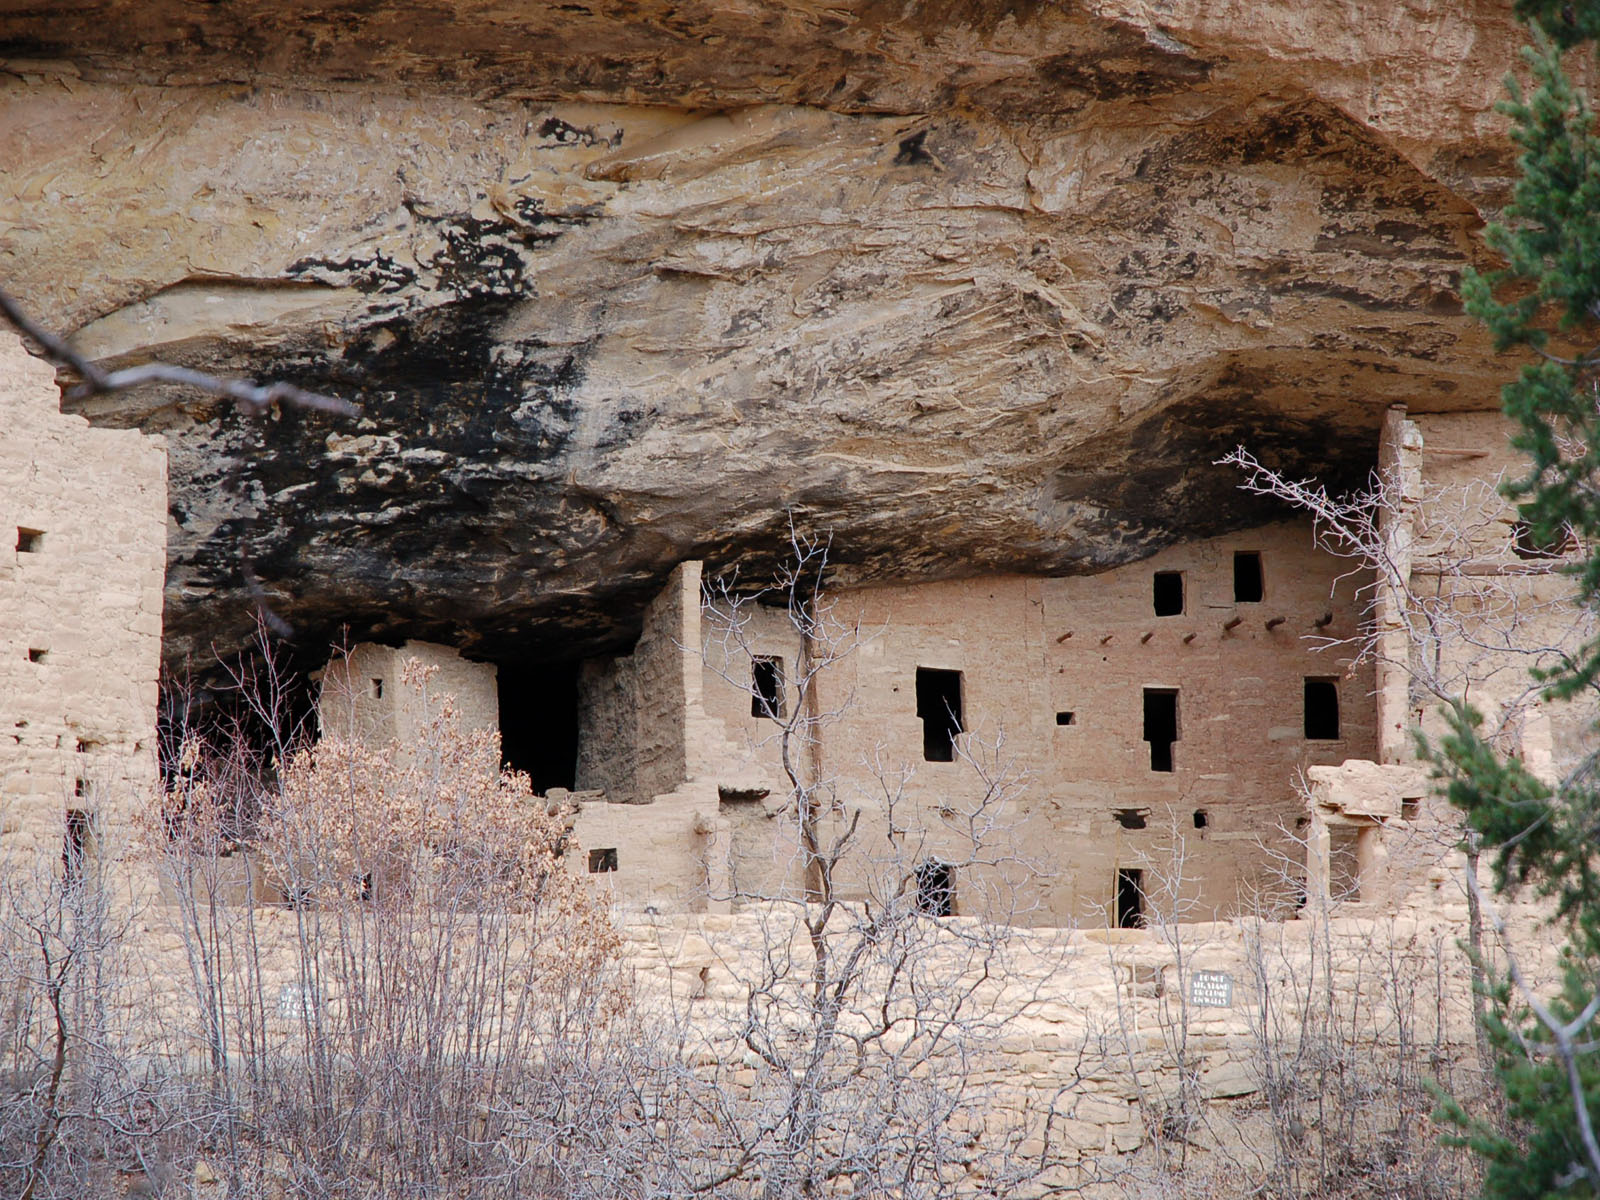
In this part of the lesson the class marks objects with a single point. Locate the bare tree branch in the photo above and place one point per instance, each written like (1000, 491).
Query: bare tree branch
(251, 399)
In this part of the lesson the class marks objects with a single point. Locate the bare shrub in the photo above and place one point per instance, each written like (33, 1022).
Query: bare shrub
(83, 1105)
(407, 1018)
(862, 1050)
(1350, 1025)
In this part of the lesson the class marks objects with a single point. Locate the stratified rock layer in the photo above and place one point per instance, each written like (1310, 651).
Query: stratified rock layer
(974, 287)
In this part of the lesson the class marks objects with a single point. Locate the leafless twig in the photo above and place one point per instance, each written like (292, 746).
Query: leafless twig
(251, 399)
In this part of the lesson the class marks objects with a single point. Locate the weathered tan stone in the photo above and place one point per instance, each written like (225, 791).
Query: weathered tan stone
(978, 287)
(82, 539)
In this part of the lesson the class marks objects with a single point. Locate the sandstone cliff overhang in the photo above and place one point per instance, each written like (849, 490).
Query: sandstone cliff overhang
(976, 286)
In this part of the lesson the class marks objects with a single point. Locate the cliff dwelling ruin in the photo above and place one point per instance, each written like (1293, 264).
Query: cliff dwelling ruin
(1183, 698)
(636, 300)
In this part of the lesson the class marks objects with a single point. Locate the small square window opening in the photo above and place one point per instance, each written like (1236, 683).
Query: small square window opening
(602, 860)
(38, 656)
(29, 541)
(1066, 718)
(1526, 542)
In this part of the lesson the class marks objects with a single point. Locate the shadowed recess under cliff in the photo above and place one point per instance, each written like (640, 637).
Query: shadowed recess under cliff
(969, 313)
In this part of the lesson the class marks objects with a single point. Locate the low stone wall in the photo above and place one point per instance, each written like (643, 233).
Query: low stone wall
(1212, 1050)
(1212, 1038)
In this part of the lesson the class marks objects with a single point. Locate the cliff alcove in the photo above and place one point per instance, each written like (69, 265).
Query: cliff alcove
(975, 286)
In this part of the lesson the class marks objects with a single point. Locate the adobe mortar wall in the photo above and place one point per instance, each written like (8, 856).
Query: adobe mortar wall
(364, 695)
(87, 601)
(1507, 611)
(1031, 648)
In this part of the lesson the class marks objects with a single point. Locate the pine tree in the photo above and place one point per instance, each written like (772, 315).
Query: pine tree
(1546, 302)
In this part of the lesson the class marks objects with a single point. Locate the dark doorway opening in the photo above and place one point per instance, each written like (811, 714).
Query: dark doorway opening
(76, 845)
(1247, 587)
(1130, 898)
(766, 688)
(1168, 593)
(936, 889)
(1160, 725)
(1525, 542)
(939, 706)
(1322, 710)
(539, 722)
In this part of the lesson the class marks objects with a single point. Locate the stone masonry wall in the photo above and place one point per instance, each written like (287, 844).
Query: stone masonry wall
(365, 696)
(1053, 676)
(1223, 1027)
(643, 697)
(83, 515)
(1508, 602)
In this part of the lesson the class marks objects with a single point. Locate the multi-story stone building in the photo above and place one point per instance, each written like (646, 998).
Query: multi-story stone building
(1182, 707)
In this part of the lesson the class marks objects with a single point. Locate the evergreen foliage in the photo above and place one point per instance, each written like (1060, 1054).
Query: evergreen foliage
(1546, 301)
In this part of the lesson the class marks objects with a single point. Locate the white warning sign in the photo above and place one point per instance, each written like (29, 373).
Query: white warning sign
(1211, 989)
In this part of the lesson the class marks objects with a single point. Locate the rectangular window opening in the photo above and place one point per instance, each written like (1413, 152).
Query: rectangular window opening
(939, 706)
(602, 860)
(377, 689)
(1168, 593)
(1161, 725)
(766, 688)
(37, 656)
(1322, 710)
(1410, 806)
(936, 889)
(1201, 820)
(76, 845)
(1132, 818)
(29, 541)
(1247, 587)
(1066, 718)
(1130, 898)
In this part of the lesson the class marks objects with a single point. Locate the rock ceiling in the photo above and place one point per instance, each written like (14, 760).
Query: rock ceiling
(973, 286)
